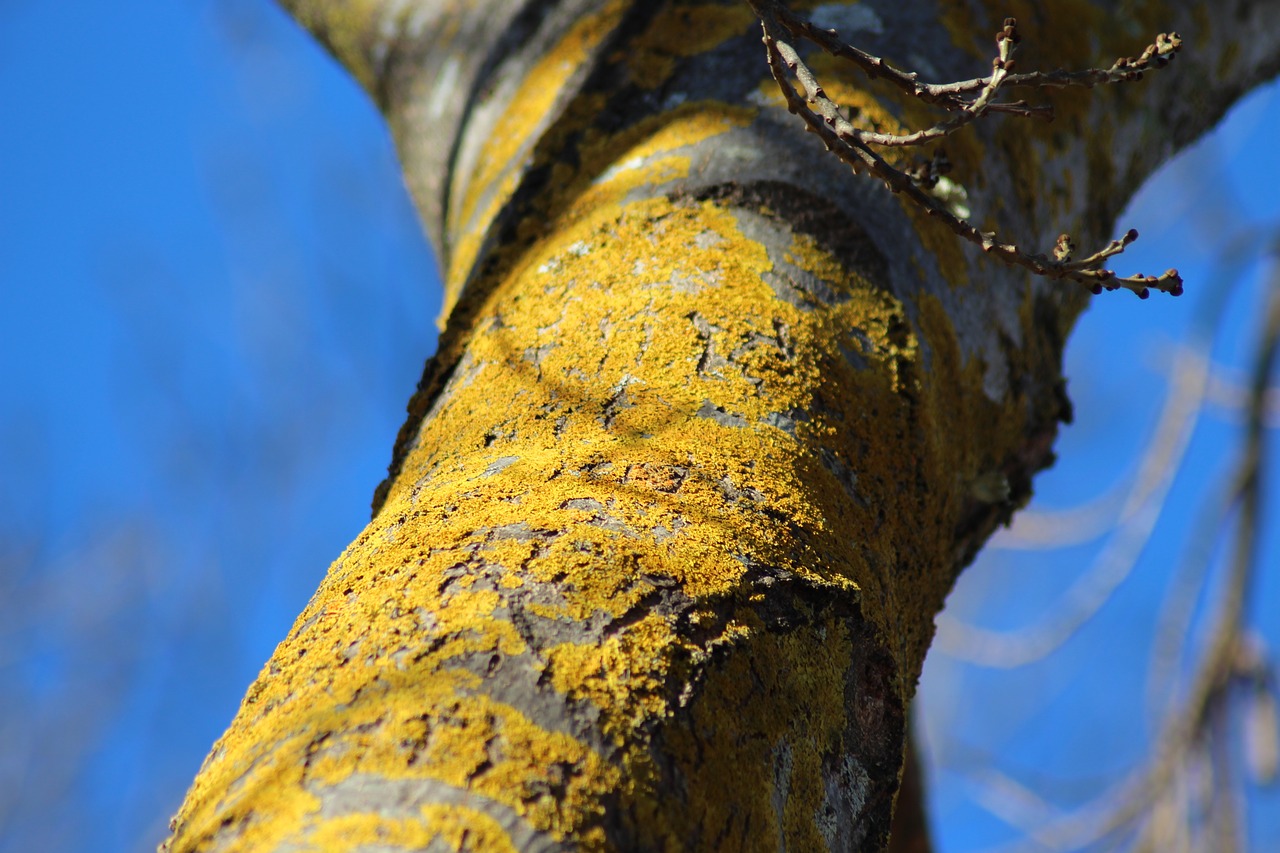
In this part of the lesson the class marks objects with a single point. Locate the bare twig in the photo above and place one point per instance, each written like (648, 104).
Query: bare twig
(968, 101)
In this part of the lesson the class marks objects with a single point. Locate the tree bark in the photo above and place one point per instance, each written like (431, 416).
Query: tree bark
(712, 428)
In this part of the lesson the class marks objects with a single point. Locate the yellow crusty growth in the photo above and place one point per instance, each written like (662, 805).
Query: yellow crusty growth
(477, 197)
(638, 416)
(601, 482)
(678, 31)
(623, 676)
(791, 689)
(461, 828)
(687, 474)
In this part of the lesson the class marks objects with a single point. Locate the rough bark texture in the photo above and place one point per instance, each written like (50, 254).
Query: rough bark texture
(712, 428)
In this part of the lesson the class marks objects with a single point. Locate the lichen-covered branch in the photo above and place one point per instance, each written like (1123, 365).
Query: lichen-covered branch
(712, 427)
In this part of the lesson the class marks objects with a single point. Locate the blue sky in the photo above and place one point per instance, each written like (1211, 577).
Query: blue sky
(214, 304)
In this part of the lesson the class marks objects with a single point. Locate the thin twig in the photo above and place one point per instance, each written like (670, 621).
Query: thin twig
(853, 145)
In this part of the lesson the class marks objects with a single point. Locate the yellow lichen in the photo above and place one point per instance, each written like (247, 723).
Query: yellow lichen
(626, 425)
(505, 154)
(463, 829)
(680, 30)
(625, 677)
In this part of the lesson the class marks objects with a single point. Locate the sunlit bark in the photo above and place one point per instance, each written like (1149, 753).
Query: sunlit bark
(713, 426)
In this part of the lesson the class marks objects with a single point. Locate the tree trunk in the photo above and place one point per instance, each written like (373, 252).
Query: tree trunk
(713, 426)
